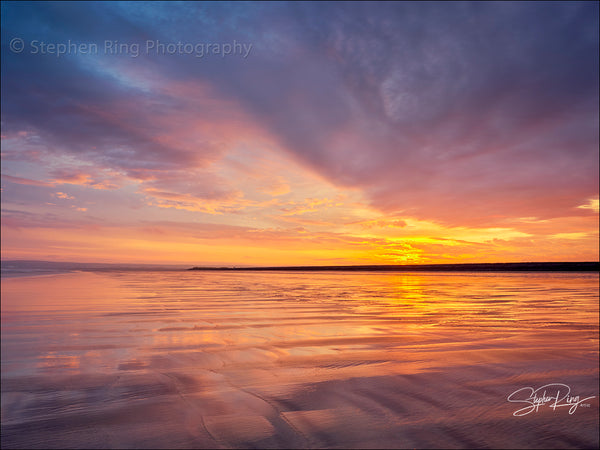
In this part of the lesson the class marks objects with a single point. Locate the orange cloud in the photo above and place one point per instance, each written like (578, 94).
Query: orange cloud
(106, 179)
(592, 204)
(198, 243)
(62, 195)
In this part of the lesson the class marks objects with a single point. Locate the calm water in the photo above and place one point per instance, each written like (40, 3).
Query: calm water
(299, 360)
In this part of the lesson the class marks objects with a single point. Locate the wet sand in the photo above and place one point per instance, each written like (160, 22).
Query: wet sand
(297, 360)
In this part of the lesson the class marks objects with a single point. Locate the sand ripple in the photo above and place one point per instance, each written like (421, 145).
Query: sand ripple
(282, 360)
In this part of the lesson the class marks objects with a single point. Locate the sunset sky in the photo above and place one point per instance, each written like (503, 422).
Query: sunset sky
(331, 133)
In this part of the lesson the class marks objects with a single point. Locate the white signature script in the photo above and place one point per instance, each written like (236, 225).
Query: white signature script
(555, 394)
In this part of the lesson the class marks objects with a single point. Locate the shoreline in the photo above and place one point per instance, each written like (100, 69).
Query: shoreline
(470, 267)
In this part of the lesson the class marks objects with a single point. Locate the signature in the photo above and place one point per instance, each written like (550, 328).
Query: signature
(556, 395)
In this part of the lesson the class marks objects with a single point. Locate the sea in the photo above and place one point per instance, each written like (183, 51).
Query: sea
(109, 358)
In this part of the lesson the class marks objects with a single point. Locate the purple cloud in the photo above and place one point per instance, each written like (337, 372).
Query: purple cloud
(464, 113)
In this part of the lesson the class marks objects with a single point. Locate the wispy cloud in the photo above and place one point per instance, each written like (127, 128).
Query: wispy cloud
(377, 121)
(26, 181)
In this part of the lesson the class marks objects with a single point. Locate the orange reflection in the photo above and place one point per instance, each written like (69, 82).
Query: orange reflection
(326, 351)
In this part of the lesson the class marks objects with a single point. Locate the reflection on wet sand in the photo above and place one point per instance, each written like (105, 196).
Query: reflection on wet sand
(296, 360)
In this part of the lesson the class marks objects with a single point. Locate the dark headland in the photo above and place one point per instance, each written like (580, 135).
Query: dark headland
(474, 267)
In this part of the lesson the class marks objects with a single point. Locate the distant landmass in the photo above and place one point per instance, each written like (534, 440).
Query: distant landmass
(593, 266)
(31, 267)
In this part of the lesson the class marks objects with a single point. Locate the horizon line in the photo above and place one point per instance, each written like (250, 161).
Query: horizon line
(560, 266)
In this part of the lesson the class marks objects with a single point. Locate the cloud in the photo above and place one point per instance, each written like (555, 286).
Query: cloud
(382, 223)
(308, 205)
(64, 196)
(198, 190)
(101, 179)
(26, 181)
(472, 115)
(275, 186)
(592, 204)
(490, 110)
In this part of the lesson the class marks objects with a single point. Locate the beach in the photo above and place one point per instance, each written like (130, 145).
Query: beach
(192, 359)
